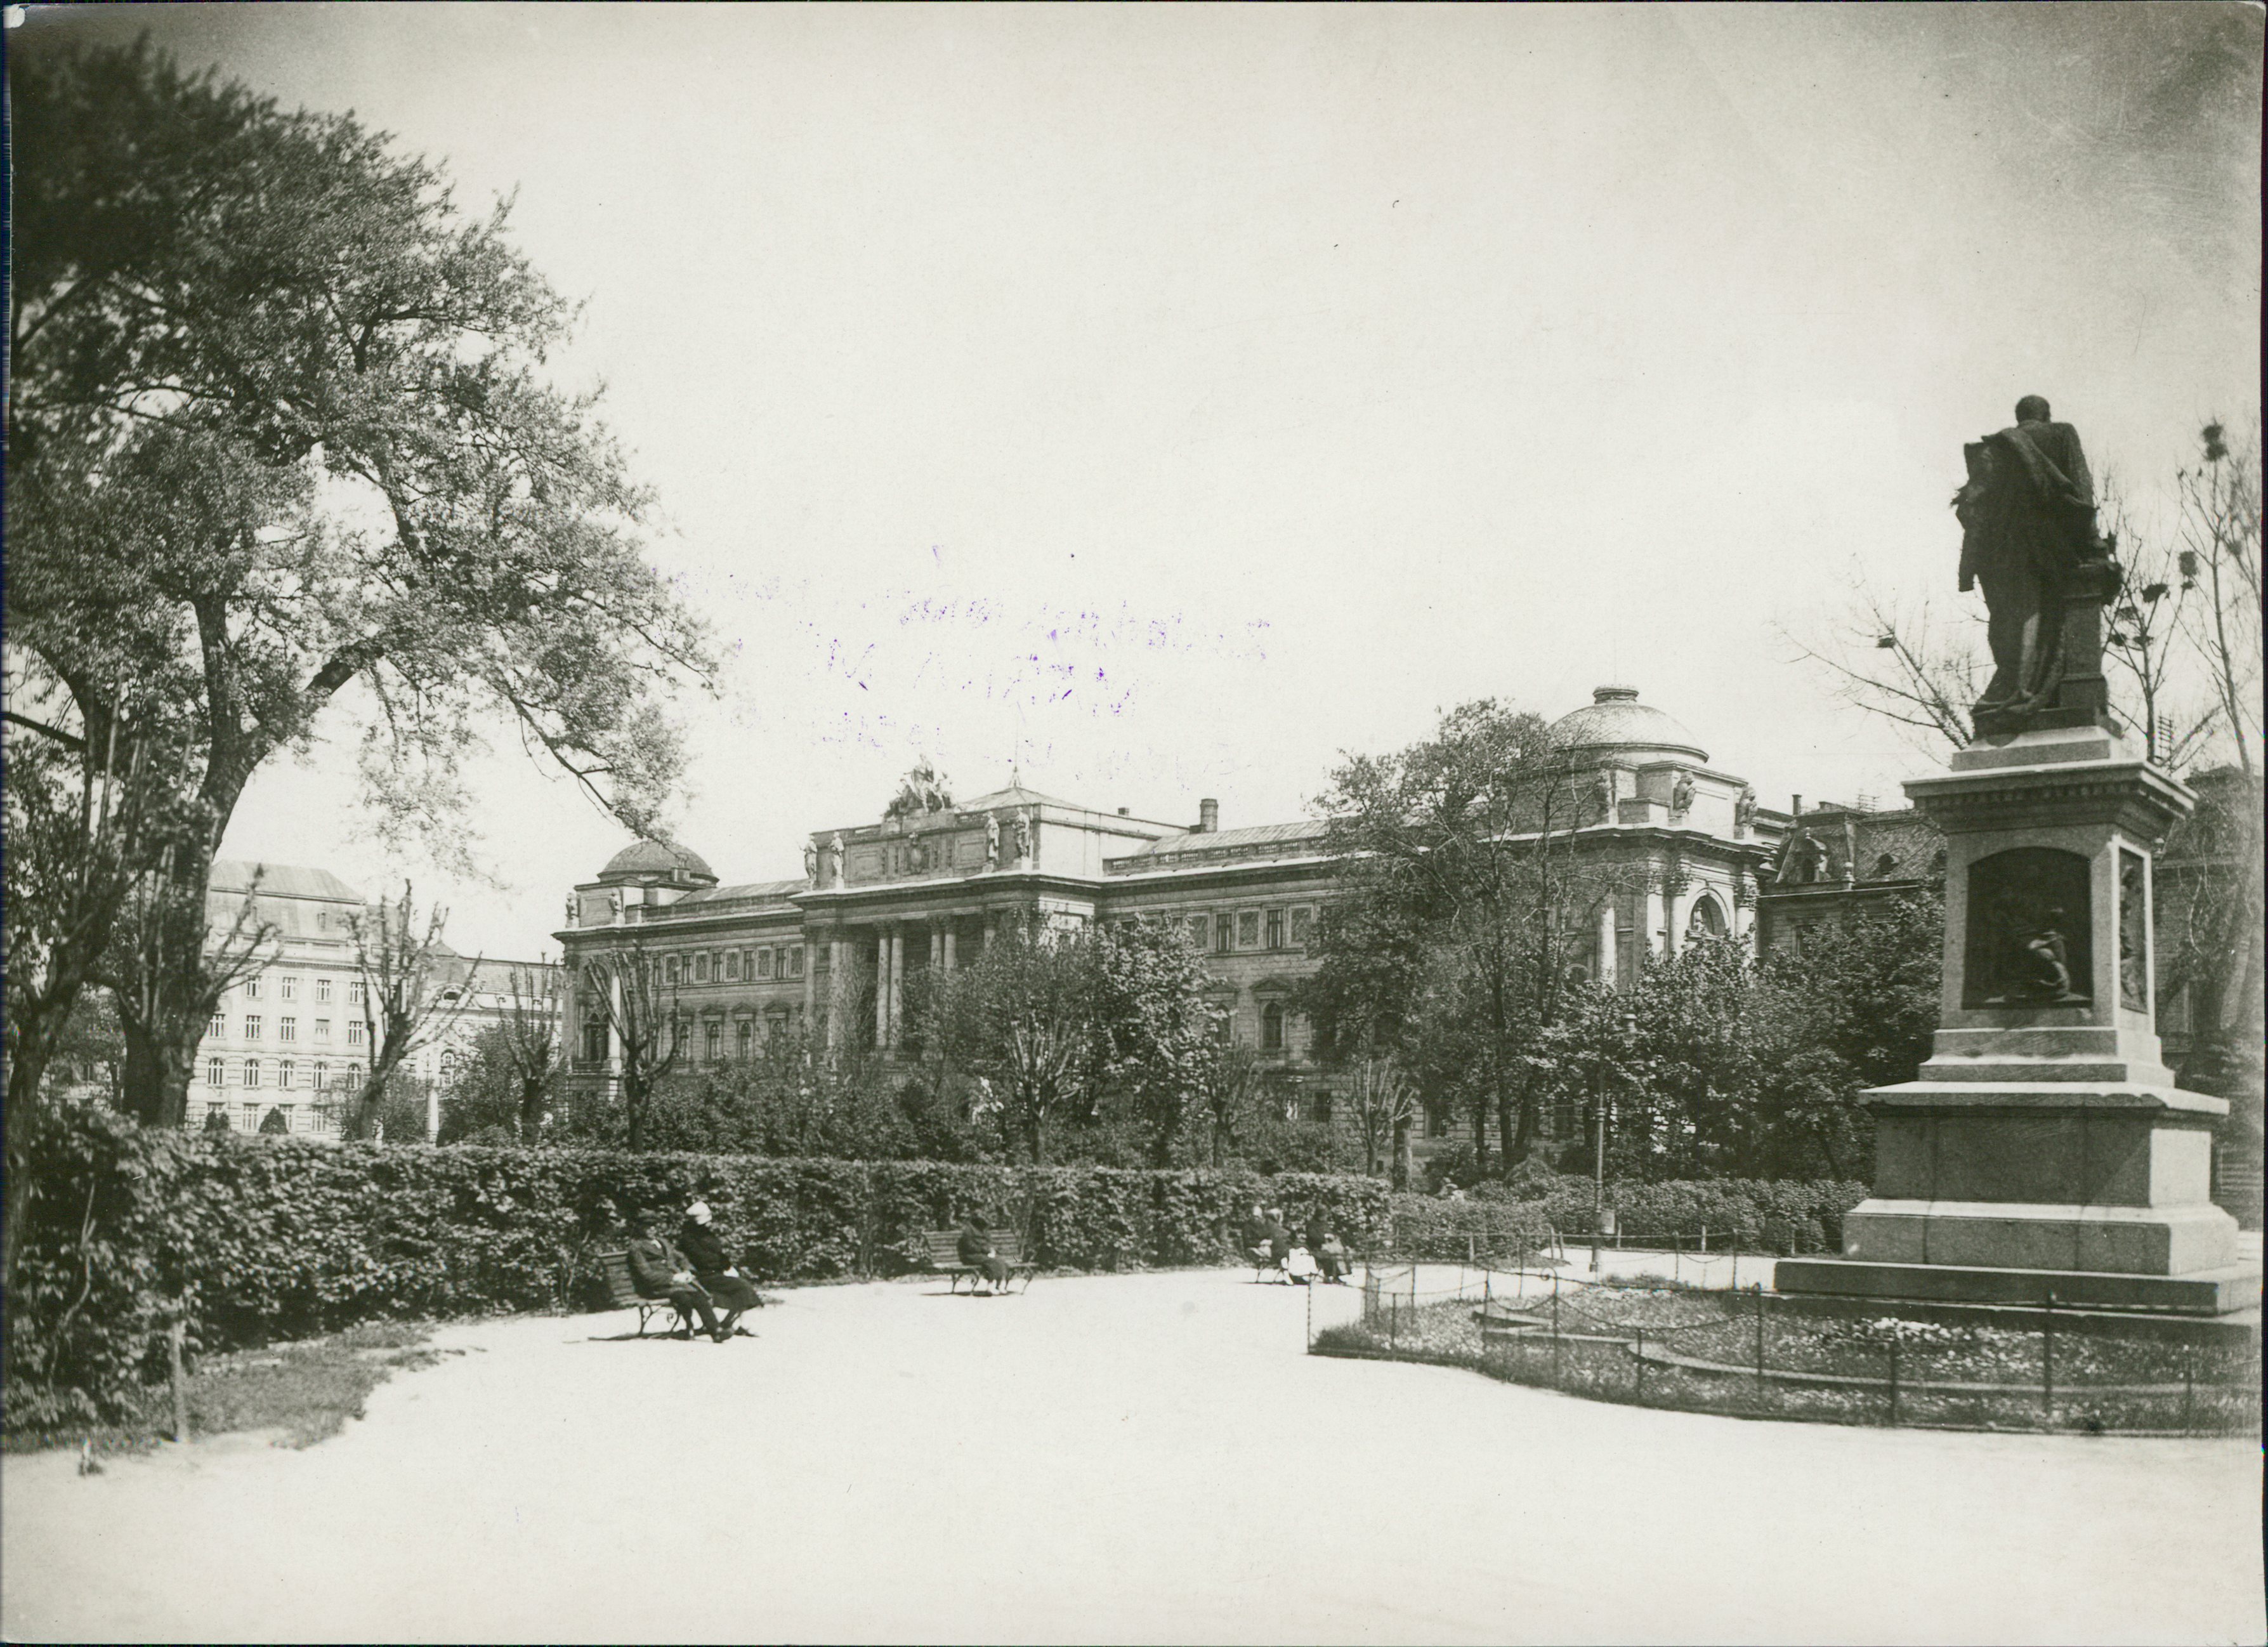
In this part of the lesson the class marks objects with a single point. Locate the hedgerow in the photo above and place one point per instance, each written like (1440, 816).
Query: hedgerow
(252, 1240)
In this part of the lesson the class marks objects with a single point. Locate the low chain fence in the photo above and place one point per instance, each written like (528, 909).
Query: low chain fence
(1750, 1353)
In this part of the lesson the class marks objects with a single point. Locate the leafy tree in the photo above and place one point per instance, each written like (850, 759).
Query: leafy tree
(1226, 1082)
(1385, 1106)
(278, 436)
(1463, 899)
(1022, 1018)
(415, 989)
(1155, 1032)
(481, 1103)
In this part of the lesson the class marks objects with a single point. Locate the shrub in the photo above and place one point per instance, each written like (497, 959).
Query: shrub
(255, 1239)
(1427, 1226)
(1780, 1216)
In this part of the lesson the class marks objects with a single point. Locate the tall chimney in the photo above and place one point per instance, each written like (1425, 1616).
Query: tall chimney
(1208, 816)
(1796, 806)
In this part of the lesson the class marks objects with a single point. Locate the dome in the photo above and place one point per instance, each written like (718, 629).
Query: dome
(1614, 719)
(641, 859)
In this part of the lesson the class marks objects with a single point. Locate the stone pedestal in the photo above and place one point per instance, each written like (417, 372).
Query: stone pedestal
(2044, 1152)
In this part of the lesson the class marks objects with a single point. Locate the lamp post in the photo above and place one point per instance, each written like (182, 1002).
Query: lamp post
(1599, 1144)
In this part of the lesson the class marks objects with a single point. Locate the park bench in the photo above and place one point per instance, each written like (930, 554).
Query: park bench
(945, 1256)
(622, 1293)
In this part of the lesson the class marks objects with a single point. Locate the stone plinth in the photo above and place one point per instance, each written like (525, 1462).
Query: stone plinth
(2045, 1153)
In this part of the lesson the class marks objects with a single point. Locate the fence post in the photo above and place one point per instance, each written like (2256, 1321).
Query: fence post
(174, 1335)
(1394, 1321)
(1311, 1317)
(1641, 1366)
(1894, 1383)
(2189, 1392)
(1555, 1332)
(1705, 1238)
(1760, 1343)
(2047, 1363)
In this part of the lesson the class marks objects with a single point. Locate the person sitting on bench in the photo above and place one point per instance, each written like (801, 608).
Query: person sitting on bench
(658, 1270)
(1330, 1255)
(1254, 1235)
(982, 1253)
(713, 1269)
(1279, 1240)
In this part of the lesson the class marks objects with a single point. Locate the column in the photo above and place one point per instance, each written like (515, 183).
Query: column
(838, 989)
(1655, 933)
(947, 952)
(936, 947)
(898, 947)
(882, 988)
(1607, 940)
(810, 986)
(614, 1017)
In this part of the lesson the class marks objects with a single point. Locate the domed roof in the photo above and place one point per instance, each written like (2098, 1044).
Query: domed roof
(642, 858)
(1614, 719)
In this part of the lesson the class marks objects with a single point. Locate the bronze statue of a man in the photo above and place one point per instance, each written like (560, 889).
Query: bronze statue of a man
(2027, 535)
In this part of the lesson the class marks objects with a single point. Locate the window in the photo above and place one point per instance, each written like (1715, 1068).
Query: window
(322, 1029)
(322, 1080)
(252, 1117)
(1198, 927)
(286, 1072)
(1223, 933)
(1302, 921)
(700, 967)
(284, 1110)
(252, 987)
(287, 1029)
(251, 1073)
(1708, 921)
(1247, 928)
(216, 1072)
(1319, 1107)
(287, 988)
(669, 970)
(594, 1039)
(747, 1040)
(357, 992)
(1274, 929)
(731, 966)
(1271, 1027)
(252, 1027)
(354, 1032)
(795, 956)
(714, 1049)
(218, 1025)
(322, 990)
(764, 963)
(216, 1109)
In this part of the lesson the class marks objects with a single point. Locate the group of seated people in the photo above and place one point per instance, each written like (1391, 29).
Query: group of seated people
(696, 1272)
(1318, 1252)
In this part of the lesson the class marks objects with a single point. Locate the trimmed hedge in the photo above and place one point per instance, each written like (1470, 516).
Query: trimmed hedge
(251, 1240)
(1786, 1216)
(1498, 1231)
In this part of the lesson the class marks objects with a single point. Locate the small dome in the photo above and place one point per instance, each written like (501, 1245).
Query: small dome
(1614, 719)
(645, 859)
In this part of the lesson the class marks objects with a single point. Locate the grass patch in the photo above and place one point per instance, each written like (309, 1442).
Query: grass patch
(307, 1390)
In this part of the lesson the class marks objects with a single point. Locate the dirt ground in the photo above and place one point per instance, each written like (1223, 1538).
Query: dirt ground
(1145, 1458)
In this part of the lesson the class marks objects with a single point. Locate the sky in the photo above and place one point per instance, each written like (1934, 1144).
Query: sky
(1168, 402)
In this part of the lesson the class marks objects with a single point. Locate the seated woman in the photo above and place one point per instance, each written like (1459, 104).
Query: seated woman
(713, 1269)
(982, 1253)
(1280, 1238)
(1330, 1252)
(1299, 1266)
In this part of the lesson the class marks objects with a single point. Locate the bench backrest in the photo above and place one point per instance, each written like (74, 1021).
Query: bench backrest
(620, 1289)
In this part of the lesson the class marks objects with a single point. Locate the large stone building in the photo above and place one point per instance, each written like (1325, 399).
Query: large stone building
(833, 950)
(290, 1039)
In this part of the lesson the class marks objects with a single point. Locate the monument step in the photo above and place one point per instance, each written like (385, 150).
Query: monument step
(2221, 1291)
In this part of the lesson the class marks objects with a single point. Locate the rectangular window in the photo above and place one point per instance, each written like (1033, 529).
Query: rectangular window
(252, 1072)
(700, 967)
(1247, 928)
(216, 1072)
(354, 1032)
(322, 989)
(252, 1027)
(747, 1040)
(731, 966)
(1303, 922)
(287, 1029)
(764, 963)
(285, 1074)
(252, 1117)
(715, 1048)
(669, 970)
(1197, 927)
(594, 1039)
(1274, 929)
(218, 1026)
(322, 1029)
(1223, 933)
(796, 956)
(252, 987)
(285, 1111)
(357, 992)
(287, 988)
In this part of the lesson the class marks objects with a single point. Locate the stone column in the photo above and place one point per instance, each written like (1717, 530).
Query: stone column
(946, 954)
(897, 981)
(881, 989)
(1607, 941)
(1654, 932)
(810, 985)
(936, 946)
(838, 991)
(614, 1018)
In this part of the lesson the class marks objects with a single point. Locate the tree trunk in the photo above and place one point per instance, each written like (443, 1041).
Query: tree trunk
(531, 1110)
(26, 1068)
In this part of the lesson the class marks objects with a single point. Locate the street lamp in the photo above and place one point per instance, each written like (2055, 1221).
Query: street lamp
(1599, 1144)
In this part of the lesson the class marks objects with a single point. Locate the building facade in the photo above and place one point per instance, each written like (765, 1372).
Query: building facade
(836, 952)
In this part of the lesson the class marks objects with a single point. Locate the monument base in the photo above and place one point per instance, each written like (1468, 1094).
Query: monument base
(2207, 1292)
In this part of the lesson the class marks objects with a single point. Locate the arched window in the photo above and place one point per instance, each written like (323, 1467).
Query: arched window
(716, 1040)
(1707, 919)
(747, 1038)
(252, 1072)
(1271, 1027)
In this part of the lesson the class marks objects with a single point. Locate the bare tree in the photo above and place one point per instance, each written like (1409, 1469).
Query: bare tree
(531, 1041)
(415, 989)
(641, 1009)
(1902, 660)
(1385, 1103)
(2145, 638)
(1227, 1090)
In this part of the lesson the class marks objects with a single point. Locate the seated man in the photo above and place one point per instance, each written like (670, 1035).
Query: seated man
(982, 1253)
(1254, 1235)
(1280, 1239)
(1330, 1253)
(713, 1269)
(658, 1270)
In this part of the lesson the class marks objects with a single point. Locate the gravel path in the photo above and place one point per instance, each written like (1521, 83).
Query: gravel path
(1144, 1457)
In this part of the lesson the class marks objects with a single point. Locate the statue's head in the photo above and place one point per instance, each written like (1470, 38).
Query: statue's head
(2032, 410)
